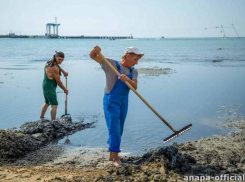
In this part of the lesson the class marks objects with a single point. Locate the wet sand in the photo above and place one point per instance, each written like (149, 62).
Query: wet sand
(204, 157)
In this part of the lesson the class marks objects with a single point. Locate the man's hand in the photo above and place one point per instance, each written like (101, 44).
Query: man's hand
(96, 49)
(123, 78)
(66, 91)
(65, 73)
(94, 54)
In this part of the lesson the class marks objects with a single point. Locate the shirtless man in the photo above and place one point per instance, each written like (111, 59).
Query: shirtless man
(52, 73)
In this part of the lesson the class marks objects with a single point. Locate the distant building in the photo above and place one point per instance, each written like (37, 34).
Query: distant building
(55, 33)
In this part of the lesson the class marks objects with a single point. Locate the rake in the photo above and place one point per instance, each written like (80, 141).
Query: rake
(176, 132)
(66, 116)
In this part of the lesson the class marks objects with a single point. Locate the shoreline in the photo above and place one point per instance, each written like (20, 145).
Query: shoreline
(211, 156)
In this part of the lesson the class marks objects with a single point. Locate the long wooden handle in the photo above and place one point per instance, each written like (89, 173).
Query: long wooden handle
(137, 93)
(66, 96)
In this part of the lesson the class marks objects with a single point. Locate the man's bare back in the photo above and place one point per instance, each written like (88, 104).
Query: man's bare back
(50, 71)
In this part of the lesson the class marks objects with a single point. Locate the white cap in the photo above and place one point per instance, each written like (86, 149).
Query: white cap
(133, 50)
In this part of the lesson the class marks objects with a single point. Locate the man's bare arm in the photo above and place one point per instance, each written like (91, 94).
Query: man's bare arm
(55, 71)
(63, 71)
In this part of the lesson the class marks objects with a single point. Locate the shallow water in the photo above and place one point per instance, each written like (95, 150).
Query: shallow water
(192, 93)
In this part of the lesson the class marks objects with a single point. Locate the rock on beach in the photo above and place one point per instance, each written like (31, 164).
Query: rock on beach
(32, 136)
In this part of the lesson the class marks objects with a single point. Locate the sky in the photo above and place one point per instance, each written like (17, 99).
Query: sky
(141, 18)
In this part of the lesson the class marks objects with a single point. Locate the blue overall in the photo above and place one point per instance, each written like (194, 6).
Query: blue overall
(115, 109)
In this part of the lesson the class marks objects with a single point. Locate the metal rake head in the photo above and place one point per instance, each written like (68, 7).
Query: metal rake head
(177, 133)
(66, 116)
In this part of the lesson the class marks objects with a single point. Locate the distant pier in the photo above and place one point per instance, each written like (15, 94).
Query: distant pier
(96, 37)
(12, 35)
(54, 34)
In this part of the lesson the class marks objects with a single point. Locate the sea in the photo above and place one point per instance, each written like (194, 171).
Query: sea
(204, 83)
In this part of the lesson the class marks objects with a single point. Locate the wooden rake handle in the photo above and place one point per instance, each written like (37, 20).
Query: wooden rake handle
(66, 96)
(137, 93)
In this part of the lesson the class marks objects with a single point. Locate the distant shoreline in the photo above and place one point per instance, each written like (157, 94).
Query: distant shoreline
(108, 37)
(12, 35)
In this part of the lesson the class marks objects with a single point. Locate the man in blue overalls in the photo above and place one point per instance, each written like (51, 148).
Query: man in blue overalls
(115, 102)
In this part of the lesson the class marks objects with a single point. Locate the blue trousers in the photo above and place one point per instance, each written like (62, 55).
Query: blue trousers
(115, 106)
(115, 110)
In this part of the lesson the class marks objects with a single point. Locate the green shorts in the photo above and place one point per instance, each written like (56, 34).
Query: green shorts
(50, 98)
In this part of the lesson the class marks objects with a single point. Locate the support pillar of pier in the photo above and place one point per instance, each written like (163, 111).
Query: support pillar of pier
(54, 30)
(49, 27)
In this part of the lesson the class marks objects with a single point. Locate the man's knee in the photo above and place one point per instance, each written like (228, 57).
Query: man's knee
(54, 106)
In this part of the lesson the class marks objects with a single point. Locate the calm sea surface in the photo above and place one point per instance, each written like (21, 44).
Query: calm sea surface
(193, 92)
